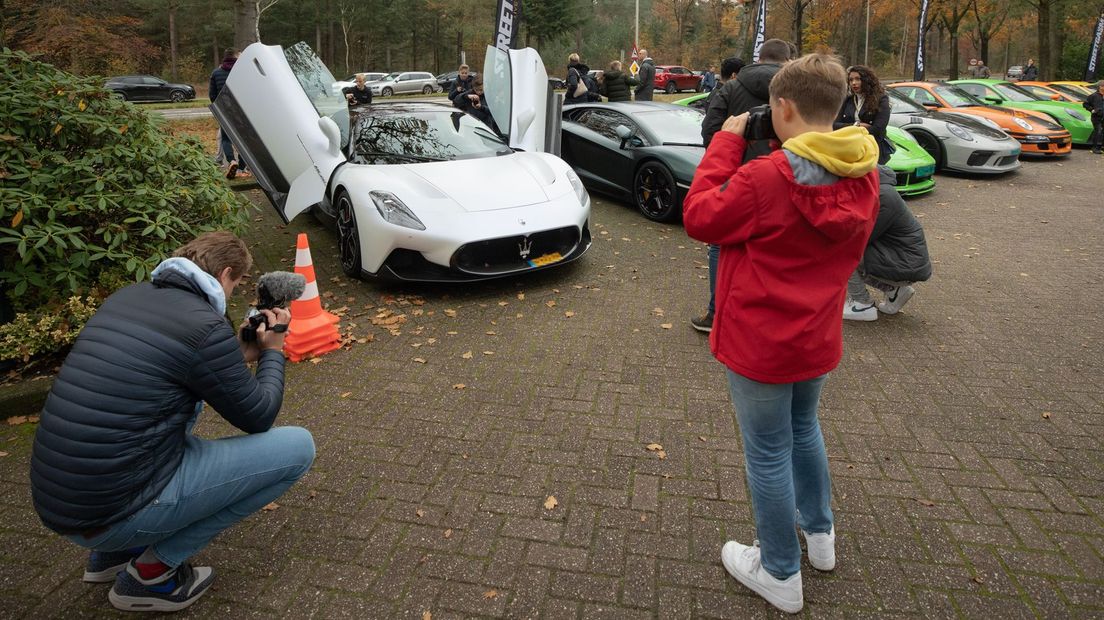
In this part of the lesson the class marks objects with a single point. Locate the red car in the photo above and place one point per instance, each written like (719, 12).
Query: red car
(673, 79)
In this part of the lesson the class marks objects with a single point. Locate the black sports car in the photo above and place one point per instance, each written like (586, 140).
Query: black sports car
(149, 88)
(645, 152)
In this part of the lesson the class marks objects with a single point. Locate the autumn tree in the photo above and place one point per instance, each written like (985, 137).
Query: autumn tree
(951, 14)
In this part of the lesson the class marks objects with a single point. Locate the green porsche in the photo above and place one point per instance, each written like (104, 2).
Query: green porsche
(1069, 115)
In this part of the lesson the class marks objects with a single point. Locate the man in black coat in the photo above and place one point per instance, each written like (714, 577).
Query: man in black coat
(646, 76)
(358, 93)
(462, 86)
(115, 467)
(214, 87)
(1095, 105)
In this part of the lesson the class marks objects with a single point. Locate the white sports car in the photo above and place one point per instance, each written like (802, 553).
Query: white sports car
(416, 191)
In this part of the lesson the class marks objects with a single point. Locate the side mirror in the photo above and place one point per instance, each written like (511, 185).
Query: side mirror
(1055, 97)
(991, 99)
(333, 135)
(624, 133)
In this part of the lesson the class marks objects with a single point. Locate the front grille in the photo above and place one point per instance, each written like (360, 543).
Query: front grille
(902, 179)
(1007, 161)
(514, 253)
(978, 158)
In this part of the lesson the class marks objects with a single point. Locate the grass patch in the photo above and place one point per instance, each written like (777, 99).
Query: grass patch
(194, 103)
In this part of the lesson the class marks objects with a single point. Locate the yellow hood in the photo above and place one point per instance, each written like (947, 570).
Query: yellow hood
(848, 152)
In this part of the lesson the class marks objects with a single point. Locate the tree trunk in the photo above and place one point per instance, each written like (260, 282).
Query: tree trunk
(318, 36)
(3, 43)
(436, 45)
(414, 48)
(172, 40)
(953, 73)
(246, 17)
(798, 17)
(1043, 39)
(1058, 39)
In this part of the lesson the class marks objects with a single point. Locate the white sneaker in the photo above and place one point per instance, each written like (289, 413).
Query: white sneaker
(895, 299)
(822, 549)
(855, 311)
(742, 562)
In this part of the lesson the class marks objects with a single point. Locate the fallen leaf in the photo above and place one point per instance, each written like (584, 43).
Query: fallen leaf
(16, 420)
(17, 219)
(490, 333)
(488, 353)
(551, 502)
(654, 446)
(419, 513)
(467, 355)
(504, 303)
(643, 518)
(1046, 415)
(448, 533)
(490, 594)
(313, 494)
(271, 506)
(3, 454)
(569, 314)
(979, 579)
(666, 325)
(315, 360)
(551, 303)
(420, 360)
(925, 502)
(450, 312)
(701, 438)
(427, 616)
(661, 454)
(521, 296)
(458, 386)
(345, 394)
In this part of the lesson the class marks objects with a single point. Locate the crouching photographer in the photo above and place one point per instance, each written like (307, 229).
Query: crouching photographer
(791, 227)
(115, 467)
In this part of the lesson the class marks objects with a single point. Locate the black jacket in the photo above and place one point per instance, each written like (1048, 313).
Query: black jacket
(112, 431)
(1095, 104)
(218, 78)
(646, 77)
(616, 85)
(460, 87)
(575, 73)
(896, 250)
(877, 121)
(1030, 73)
(750, 87)
(360, 96)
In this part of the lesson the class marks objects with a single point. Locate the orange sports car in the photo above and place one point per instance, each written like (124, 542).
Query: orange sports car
(1043, 90)
(1036, 134)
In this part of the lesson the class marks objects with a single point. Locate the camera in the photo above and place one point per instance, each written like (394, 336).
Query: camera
(276, 289)
(759, 126)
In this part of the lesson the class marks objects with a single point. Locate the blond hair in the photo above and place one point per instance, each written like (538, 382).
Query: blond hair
(815, 83)
(215, 251)
(615, 65)
(462, 67)
(574, 57)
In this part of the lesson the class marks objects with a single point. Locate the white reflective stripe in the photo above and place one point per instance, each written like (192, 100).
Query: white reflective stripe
(310, 291)
(302, 257)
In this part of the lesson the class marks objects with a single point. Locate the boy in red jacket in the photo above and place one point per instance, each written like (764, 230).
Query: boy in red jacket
(792, 227)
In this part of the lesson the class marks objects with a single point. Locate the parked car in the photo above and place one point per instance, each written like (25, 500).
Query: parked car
(699, 101)
(644, 152)
(912, 165)
(1045, 91)
(955, 142)
(1015, 72)
(149, 88)
(1037, 133)
(1076, 88)
(446, 80)
(396, 179)
(1070, 115)
(404, 83)
(673, 79)
(557, 83)
(369, 77)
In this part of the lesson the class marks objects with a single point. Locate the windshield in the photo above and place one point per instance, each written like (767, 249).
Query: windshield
(956, 97)
(430, 135)
(1014, 93)
(389, 78)
(1038, 91)
(1071, 90)
(900, 104)
(673, 126)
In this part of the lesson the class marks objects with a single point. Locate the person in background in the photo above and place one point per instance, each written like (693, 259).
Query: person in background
(982, 70)
(792, 226)
(709, 79)
(578, 91)
(475, 103)
(646, 77)
(616, 85)
(867, 106)
(214, 87)
(1030, 72)
(896, 257)
(461, 86)
(358, 93)
(1095, 105)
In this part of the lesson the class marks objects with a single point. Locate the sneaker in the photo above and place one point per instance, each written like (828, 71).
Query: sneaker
(703, 323)
(854, 311)
(743, 563)
(822, 549)
(103, 566)
(173, 591)
(896, 299)
(232, 171)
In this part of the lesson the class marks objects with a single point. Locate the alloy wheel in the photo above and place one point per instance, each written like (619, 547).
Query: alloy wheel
(655, 192)
(348, 244)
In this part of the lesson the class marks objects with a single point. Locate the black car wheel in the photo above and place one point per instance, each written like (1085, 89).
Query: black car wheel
(177, 96)
(121, 95)
(387, 92)
(427, 89)
(671, 88)
(930, 144)
(655, 192)
(348, 237)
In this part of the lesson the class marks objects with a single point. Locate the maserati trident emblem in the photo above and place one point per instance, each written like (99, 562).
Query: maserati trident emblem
(525, 247)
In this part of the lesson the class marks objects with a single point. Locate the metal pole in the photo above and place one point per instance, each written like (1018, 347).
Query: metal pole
(636, 27)
(866, 48)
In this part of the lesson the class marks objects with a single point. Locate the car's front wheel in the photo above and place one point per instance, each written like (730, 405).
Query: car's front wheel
(931, 144)
(348, 236)
(177, 96)
(427, 89)
(387, 92)
(671, 88)
(655, 192)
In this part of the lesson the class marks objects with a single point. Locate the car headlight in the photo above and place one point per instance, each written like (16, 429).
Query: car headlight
(960, 132)
(1022, 123)
(395, 211)
(577, 184)
(1076, 114)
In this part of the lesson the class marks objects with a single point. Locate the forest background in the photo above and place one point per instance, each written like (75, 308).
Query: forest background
(182, 40)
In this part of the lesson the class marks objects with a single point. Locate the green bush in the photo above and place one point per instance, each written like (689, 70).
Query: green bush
(92, 190)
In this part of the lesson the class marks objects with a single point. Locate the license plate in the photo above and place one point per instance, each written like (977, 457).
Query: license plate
(546, 259)
(925, 171)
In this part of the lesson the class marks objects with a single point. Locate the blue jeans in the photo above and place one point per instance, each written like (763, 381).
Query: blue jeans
(218, 483)
(714, 260)
(228, 150)
(787, 467)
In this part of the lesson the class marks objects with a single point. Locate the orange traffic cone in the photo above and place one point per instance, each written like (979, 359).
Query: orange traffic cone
(312, 331)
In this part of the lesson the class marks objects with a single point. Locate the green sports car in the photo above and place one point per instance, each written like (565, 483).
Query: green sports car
(1070, 115)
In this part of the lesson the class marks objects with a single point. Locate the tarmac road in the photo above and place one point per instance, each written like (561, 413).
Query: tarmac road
(964, 438)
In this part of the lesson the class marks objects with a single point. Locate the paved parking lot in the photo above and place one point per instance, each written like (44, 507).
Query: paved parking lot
(964, 437)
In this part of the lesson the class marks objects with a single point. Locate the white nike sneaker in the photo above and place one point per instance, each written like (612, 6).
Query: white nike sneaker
(743, 563)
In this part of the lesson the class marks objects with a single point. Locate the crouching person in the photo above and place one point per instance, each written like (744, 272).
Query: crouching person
(791, 227)
(115, 467)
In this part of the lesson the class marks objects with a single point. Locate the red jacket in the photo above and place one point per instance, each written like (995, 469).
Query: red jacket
(786, 252)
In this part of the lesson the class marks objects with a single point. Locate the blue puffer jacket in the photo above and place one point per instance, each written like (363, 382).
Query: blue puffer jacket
(113, 427)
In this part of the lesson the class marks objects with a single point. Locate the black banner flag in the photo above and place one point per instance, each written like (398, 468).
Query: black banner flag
(918, 71)
(507, 20)
(1094, 49)
(760, 30)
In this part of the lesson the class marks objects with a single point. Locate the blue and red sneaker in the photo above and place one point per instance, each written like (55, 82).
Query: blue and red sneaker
(103, 566)
(172, 591)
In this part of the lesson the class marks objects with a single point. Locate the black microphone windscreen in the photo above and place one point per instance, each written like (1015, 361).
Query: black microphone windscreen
(277, 289)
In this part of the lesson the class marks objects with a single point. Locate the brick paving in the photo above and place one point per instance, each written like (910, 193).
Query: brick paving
(963, 434)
